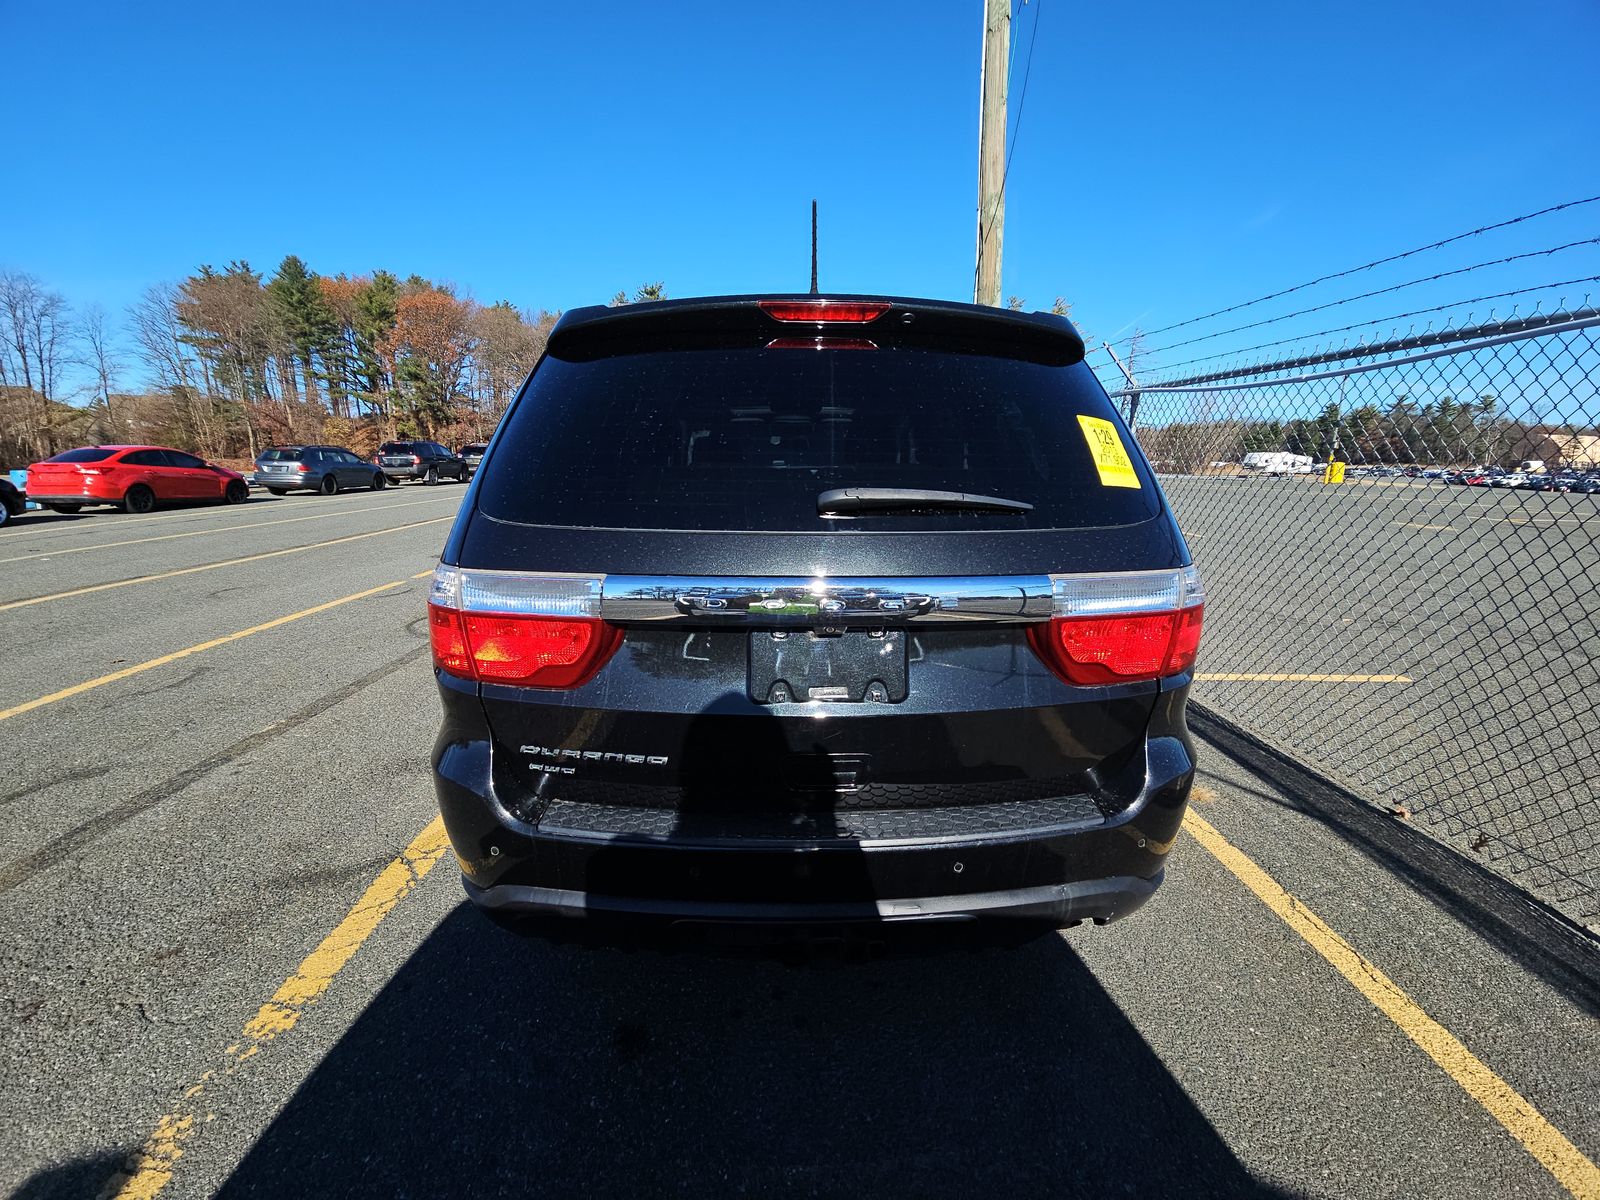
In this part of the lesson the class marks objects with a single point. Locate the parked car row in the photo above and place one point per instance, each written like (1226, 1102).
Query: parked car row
(1558, 481)
(1567, 480)
(330, 469)
(138, 478)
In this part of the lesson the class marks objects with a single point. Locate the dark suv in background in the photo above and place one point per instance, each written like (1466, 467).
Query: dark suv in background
(427, 461)
(814, 611)
(325, 469)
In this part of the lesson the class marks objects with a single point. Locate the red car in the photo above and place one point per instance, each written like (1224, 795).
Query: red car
(132, 478)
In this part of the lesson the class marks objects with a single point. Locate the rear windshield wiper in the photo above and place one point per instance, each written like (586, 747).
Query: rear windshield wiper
(869, 499)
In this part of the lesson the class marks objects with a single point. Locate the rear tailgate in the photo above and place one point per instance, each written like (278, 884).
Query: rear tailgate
(670, 743)
(782, 671)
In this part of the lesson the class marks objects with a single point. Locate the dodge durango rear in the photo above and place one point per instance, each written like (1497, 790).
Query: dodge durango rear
(814, 611)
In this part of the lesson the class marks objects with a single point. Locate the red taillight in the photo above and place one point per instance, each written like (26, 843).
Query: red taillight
(1155, 634)
(557, 652)
(415, 461)
(554, 649)
(303, 469)
(857, 312)
(450, 652)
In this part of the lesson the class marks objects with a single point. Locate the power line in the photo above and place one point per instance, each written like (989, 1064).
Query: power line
(1205, 337)
(1022, 99)
(1416, 312)
(1377, 262)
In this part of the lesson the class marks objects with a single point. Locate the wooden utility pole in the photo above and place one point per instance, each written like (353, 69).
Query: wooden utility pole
(994, 85)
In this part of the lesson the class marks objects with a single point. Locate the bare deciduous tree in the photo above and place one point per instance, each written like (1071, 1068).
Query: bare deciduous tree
(100, 356)
(175, 366)
(33, 350)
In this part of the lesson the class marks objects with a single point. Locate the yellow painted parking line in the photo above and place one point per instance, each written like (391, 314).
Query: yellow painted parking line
(78, 689)
(1280, 677)
(148, 1173)
(167, 537)
(1499, 1099)
(227, 562)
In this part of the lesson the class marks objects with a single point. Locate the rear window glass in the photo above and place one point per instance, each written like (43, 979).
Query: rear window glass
(282, 454)
(396, 448)
(475, 448)
(746, 438)
(87, 454)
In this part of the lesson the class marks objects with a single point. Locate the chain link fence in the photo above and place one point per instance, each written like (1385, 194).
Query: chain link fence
(1425, 630)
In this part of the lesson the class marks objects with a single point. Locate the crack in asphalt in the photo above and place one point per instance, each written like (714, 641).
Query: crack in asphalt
(74, 839)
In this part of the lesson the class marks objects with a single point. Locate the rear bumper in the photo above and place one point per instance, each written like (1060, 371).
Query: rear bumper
(405, 472)
(84, 497)
(1100, 869)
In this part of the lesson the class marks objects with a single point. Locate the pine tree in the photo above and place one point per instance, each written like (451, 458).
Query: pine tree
(377, 308)
(308, 322)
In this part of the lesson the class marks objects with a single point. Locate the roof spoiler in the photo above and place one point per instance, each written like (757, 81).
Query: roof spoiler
(599, 330)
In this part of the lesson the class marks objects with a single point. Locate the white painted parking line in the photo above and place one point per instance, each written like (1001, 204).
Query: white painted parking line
(40, 525)
(227, 562)
(40, 555)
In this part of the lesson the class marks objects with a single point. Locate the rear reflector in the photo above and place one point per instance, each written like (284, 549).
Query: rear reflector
(855, 312)
(531, 630)
(1122, 628)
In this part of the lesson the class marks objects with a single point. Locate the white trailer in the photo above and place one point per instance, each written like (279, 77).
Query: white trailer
(1277, 462)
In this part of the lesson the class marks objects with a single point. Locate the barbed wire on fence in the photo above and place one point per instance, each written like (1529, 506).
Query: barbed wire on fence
(1378, 262)
(1302, 339)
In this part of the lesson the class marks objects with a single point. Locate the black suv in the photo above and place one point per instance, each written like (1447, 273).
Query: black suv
(427, 461)
(814, 611)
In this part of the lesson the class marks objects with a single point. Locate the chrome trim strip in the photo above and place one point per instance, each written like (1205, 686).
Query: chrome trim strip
(797, 600)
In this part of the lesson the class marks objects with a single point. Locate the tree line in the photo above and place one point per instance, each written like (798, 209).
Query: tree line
(227, 361)
(1441, 432)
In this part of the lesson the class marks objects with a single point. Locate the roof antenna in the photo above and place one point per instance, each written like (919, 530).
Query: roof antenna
(813, 247)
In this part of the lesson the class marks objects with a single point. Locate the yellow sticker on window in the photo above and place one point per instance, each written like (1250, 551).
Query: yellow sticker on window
(1110, 455)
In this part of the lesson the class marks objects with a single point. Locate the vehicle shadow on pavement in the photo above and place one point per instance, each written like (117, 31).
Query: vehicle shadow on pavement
(1492, 907)
(493, 1064)
(75, 1177)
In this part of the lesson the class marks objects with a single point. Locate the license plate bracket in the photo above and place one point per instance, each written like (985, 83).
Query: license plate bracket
(851, 666)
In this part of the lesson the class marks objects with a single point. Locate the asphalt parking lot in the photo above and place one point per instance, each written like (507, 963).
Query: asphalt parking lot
(1452, 632)
(237, 959)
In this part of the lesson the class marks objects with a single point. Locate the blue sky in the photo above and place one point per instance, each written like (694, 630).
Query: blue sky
(1171, 157)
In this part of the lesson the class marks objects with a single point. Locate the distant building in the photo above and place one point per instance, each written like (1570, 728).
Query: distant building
(1570, 449)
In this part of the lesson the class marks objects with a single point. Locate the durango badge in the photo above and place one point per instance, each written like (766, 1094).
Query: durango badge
(651, 760)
